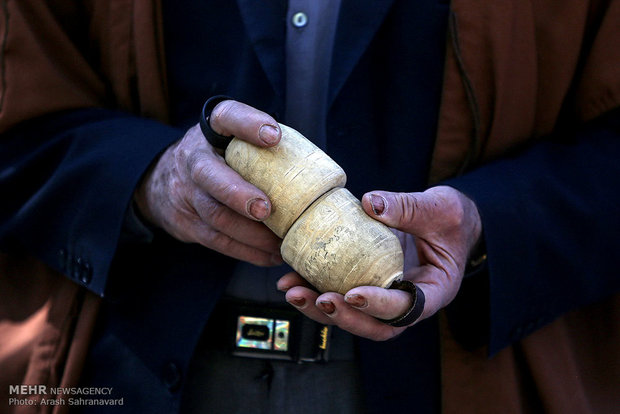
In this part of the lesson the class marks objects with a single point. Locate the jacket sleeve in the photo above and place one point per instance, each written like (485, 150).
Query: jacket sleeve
(68, 180)
(551, 225)
(68, 169)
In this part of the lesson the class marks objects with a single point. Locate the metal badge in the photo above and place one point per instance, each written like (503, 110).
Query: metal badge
(276, 333)
(262, 333)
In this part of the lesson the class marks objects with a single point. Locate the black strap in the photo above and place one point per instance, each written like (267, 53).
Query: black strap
(415, 310)
(216, 140)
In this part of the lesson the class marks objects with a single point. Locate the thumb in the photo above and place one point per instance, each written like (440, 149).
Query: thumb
(409, 212)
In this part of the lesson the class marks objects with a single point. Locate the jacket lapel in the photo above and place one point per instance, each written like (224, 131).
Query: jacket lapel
(264, 24)
(357, 24)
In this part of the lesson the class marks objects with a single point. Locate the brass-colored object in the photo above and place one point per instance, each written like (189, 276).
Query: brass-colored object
(328, 238)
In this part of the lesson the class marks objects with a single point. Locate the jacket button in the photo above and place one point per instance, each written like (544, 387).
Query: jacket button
(87, 273)
(172, 376)
(82, 271)
(75, 269)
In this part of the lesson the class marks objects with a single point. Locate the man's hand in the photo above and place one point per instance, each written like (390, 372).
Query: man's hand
(193, 195)
(439, 228)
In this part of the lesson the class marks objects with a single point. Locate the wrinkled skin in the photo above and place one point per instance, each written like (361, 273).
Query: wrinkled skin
(193, 195)
(437, 228)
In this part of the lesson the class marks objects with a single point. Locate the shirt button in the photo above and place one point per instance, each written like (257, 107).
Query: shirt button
(300, 19)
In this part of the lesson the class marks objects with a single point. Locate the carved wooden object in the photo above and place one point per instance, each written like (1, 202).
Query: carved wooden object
(328, 238)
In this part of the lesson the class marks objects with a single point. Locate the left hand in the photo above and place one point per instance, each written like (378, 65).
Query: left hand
(439, 226)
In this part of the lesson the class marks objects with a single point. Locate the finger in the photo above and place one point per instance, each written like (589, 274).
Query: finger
(303, 299)
(379, 302)
(404, 211)
(230, 118)
(354, 320)
(225, 220)
(213, 176)
(291, 280)
(439, 287)
(228, 246)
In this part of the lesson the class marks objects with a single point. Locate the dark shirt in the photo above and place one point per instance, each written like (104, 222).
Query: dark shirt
(309, 41)
(310, 33)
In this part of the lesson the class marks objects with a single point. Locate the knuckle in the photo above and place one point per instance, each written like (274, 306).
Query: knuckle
(409, 205)
(205, 237)
(182, 152)
(454, 212)
(200, 170)
(228, 192)
(177, 188)
(216, 240)
(176, 224)
(221, 113)
(216, 215)
(447, 200)
(204, 173)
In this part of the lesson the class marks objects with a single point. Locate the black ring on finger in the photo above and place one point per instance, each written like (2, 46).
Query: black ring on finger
(216, 140)
(415, 310)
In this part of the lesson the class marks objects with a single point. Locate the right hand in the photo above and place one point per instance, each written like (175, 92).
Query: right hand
(196, 197)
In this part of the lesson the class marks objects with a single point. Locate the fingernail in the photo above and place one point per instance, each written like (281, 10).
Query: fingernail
(326, 307)
(269, 134)
(258, 208)
(378, 204)
(357, 301)
(297, 302)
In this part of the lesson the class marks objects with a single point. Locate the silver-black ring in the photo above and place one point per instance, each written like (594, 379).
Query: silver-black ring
(415, 310)
(216, 140)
